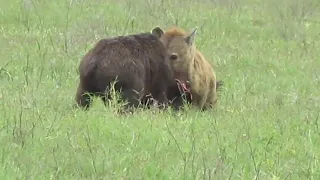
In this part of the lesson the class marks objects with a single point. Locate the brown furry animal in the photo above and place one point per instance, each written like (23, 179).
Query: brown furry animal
(190, 65)
(139, 64)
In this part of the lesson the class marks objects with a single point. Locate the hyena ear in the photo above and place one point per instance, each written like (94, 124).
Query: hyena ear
(190, 38)
(157, 31)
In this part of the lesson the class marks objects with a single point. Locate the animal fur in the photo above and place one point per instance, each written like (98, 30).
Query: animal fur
(137, 62)
(189, 64)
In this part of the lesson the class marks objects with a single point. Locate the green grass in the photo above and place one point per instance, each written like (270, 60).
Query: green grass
(266, 125)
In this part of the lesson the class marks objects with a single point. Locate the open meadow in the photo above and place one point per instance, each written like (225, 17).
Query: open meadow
(265, 126)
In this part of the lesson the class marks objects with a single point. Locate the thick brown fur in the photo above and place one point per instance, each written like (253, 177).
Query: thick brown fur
(138, 63)
(189, 64)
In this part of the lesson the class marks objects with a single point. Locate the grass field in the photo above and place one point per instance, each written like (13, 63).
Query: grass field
(266, 125)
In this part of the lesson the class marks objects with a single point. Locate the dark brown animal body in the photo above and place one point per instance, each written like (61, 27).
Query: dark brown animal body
(138, 63)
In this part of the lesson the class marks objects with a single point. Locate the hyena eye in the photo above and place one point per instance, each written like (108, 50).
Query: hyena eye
(173, 57)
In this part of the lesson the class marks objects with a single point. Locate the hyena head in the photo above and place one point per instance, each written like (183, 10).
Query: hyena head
(180, 45)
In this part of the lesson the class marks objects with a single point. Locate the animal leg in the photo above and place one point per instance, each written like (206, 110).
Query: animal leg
(160, 95)
(83, 98)
(212, 98)
(132, 92)
(132, 97)
(203, 101)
